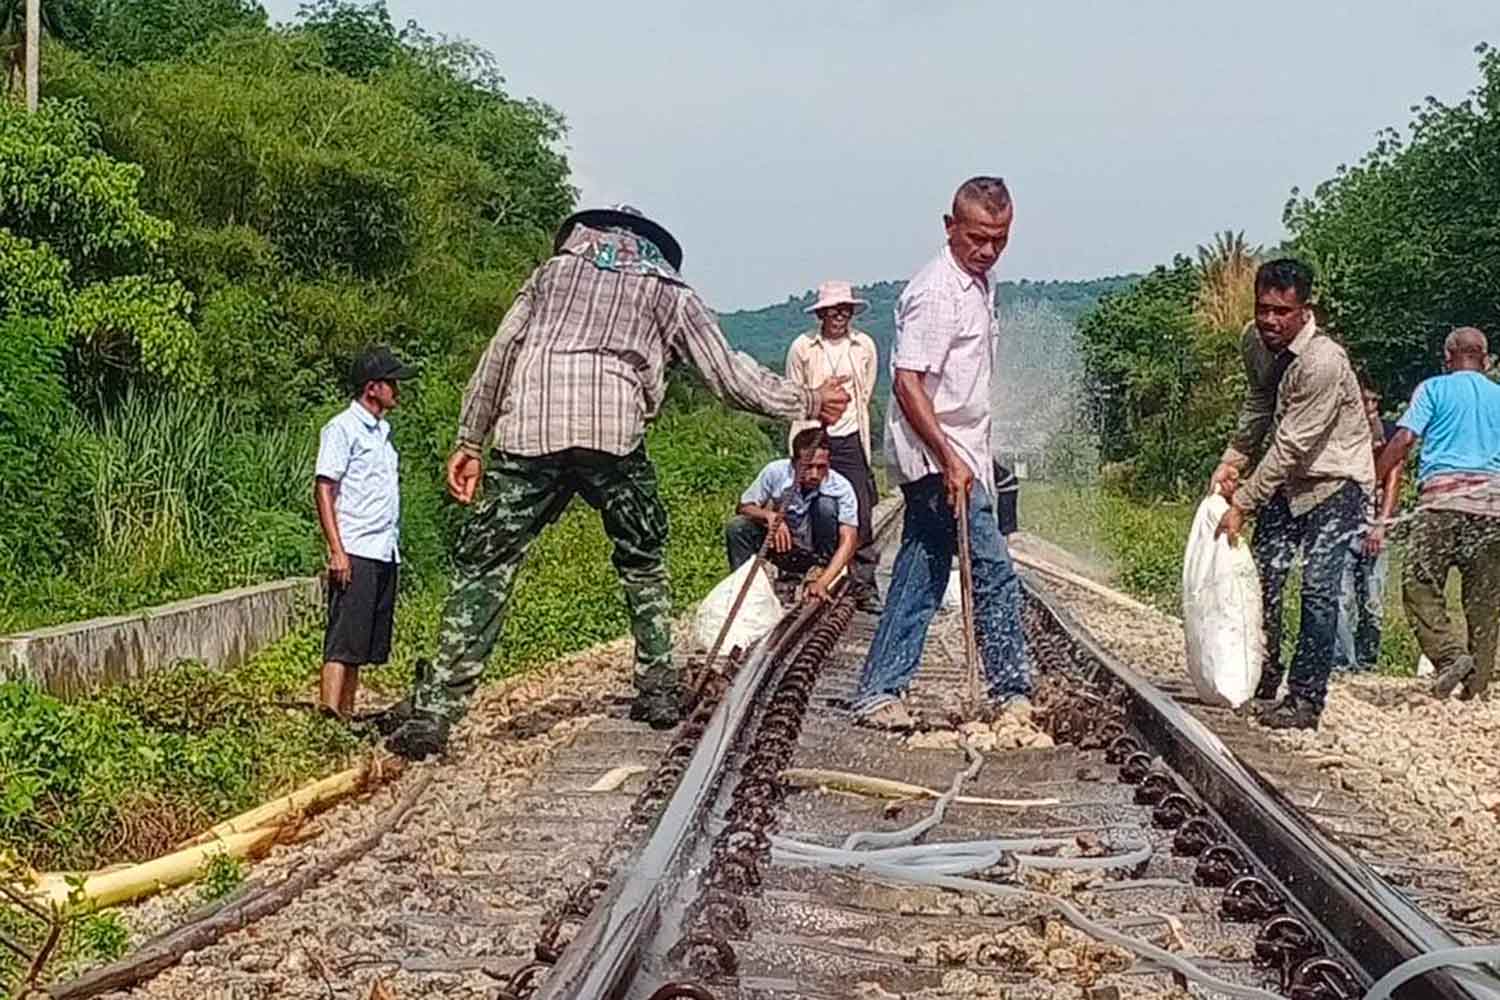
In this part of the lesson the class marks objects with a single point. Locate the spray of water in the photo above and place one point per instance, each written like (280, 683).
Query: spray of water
(1042, 426)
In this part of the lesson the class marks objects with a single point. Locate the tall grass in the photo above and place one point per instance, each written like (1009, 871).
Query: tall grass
(172, 496)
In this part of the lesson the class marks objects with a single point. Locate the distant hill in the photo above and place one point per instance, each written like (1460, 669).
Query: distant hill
(765, 333)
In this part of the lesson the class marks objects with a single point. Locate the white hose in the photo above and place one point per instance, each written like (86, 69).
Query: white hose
(940, 865)
(1413, 967)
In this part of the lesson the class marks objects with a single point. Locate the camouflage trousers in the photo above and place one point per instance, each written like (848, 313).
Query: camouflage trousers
(522, 495)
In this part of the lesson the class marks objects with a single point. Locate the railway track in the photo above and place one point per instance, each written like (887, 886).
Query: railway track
(1125, 850)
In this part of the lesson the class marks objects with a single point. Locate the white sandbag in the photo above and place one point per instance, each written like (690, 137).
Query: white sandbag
(757, 616)
(953, 595)
(1221, 611)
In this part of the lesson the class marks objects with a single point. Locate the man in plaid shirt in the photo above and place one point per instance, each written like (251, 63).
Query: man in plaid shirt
(562, 397)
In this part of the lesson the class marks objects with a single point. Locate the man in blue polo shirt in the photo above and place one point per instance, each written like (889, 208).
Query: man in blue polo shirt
(1457, 418)
(359, 508)
(810, 512)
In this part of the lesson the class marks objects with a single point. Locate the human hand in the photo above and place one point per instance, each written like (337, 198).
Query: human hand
(1226, 479)
(463, 476)
(832, 400)
(781, 535)
(340, 571)
(958, 480)
(818, 590)
(1231, 525)
(1375, 540)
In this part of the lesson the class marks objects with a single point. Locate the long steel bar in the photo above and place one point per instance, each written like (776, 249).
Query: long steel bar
(604, 955)
(1376, 925)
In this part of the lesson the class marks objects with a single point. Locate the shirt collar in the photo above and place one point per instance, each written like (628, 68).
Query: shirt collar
(365, 416)
(966, 280)
(621, 251)
(1304, 337)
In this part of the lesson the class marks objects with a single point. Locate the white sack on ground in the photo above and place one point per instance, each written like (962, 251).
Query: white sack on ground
(758, 615)
(1221, 611)
(953, 594)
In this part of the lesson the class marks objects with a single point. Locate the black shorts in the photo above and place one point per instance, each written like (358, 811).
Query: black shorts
(360, 615)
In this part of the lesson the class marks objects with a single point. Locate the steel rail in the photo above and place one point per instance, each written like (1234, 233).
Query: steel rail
(1375, 925)
(600, 961)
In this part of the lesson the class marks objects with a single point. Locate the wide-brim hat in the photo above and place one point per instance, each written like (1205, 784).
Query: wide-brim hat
(625, 217)
(837, 293)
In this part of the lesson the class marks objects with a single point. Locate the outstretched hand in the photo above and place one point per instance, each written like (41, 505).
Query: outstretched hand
(833, 400)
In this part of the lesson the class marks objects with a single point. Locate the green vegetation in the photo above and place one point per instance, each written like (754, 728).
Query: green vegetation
(1403, 244)
(1406, 241)
(207, 221)
(198, 233)
(222, 874)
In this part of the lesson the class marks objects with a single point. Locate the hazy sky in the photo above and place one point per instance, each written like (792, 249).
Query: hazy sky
(784, 142)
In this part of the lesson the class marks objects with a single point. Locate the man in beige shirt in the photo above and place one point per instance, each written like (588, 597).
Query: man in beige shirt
(1310, 489)
(836, 350)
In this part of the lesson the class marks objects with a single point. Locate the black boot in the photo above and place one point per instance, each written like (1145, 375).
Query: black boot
(868, 600)
(419, 737)
(1269, 688)
(1451, 676)
(1293, 713)
(659, 708)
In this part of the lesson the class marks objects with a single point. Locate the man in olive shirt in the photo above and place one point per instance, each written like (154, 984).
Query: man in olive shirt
(1309, 490)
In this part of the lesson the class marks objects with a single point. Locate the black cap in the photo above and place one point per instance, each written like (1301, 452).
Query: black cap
(380, 365)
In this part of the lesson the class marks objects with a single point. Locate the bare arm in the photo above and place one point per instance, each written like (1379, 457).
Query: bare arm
(916, 406)
(762, 515)
(766, 514)
(324, 491)
(1390, 485)
(1393, 456)
(848, 542)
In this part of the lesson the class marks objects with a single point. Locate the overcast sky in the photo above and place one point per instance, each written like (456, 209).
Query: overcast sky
(787, 142)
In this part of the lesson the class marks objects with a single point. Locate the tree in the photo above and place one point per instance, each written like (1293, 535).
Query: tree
(77, 248)
(1407, 241)
(136, 31)
(358, 40)
(62, 18)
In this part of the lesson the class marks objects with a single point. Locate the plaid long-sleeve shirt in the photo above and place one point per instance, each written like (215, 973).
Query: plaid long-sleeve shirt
(580, 358)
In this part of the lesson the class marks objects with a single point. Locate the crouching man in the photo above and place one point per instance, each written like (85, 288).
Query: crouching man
(810, 512)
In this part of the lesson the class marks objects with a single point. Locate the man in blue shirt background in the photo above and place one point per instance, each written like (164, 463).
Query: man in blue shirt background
(810, 512)
(359, 509)
(1457, 418)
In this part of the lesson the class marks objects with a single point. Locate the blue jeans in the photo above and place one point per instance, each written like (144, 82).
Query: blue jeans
(1361, 611)
(1323, 536)
(929, 540)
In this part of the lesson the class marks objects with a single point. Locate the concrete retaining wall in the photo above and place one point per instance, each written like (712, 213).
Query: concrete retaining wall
(221, 630)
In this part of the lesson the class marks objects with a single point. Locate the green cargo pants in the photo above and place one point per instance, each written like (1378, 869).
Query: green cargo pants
(1443, 540)
(522, 495)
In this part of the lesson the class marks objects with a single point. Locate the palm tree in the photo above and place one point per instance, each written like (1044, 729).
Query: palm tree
(1226, 289)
